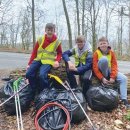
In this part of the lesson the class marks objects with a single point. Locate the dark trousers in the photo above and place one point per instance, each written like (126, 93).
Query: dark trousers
(84, 79)
(33, 77)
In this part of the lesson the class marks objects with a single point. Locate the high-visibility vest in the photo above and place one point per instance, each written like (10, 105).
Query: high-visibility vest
(108, 56)
(80, 59)
(47, 55)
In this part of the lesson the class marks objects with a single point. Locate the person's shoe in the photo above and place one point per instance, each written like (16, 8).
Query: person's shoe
(125, 102)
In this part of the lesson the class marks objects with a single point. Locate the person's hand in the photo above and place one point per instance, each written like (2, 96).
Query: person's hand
(71, 65)
(27, 81)
(74, 69)
(27, 67)
(56, 64)
(105, 81)
(111, 81)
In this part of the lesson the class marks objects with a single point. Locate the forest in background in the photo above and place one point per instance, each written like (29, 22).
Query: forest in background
(22, 23)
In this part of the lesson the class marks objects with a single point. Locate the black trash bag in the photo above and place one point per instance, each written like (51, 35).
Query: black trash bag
(47, 95)
(5, 91)
(102, 98)
(71, 104)
(25, 96)
(53, 118)
(65, 98)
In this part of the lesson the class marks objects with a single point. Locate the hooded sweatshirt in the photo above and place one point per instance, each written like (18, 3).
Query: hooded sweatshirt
(81, 68)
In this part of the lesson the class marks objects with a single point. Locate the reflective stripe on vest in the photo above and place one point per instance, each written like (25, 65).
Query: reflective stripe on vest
(108, 56)
(80, 59)
(47, 55)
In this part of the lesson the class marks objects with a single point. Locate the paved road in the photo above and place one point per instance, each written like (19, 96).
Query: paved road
(124, 66)
(17, 60)
(13, 60)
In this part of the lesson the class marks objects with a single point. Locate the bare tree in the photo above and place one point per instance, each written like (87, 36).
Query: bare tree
(34, 7)
(120, 30)
(83, 15)
(77, 13)
(17, 29)
(26, 30)
(33, 23)
(5, 7)
(93, 10)
(127, 15)
(109, 8)
(3, 35)
(129, 25)
(12, 34)
(68, 23)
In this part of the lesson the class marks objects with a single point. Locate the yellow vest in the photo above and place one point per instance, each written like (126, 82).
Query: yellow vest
(108, 56)
(47, 55)
(81, 59)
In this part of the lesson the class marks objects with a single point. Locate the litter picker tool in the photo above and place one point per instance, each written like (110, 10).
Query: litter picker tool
(58, 80)
(13, 95)
(17, 104)
(67, 86)
(66, 82)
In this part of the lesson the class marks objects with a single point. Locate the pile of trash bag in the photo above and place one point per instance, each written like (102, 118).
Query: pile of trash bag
(25, 96)
(102, 98)
(66, 99)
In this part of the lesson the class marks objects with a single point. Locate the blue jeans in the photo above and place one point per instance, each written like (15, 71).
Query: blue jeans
(121, 78)
(32, 74)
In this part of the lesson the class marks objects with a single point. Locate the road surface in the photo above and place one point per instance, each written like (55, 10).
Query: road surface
(17, 60)
(13, 60)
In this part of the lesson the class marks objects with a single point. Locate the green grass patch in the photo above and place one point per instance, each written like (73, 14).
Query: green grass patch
(127, 116)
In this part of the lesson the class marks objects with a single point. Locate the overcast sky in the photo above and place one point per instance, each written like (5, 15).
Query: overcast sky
(54, 7)
(51, 9)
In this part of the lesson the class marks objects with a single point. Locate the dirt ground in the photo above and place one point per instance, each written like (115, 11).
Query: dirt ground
(102, 120)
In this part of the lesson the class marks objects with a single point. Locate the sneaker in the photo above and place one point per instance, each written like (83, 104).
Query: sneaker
(125, 102)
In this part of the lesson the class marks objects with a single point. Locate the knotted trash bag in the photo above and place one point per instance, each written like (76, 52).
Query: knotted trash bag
(71, 104)
(25, 96)
(65, 98)
(52, 118)
(102, 98)
(44, 97)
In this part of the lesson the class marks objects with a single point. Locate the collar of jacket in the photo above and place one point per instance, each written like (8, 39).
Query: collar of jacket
(107, 52)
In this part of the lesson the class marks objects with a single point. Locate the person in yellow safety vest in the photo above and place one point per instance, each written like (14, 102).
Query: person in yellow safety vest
(82, 53)
(46, 54)
(106, 69)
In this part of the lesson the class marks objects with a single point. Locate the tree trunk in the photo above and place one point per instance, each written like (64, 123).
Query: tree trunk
(68, 24)
(94, 26)
(121, 32)
(106, 23)
(77, 12)
(17, 31)
(33, 23)
(83, 9)
(129, 25)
